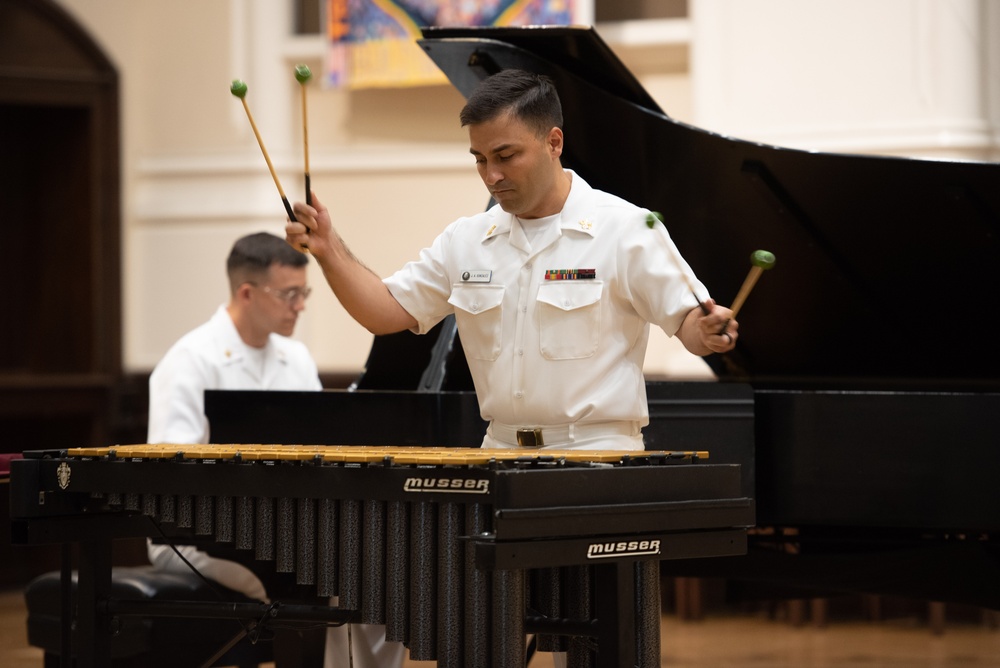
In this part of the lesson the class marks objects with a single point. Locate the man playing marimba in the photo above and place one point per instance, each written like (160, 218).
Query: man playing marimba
(553, 289)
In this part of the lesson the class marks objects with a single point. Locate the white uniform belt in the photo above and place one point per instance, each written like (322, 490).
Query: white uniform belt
(535, 437)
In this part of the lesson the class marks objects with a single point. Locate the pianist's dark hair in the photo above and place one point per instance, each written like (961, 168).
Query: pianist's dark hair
(530, 97)
(253, 255)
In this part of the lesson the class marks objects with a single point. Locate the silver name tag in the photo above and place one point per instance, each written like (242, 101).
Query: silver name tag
(477, 276)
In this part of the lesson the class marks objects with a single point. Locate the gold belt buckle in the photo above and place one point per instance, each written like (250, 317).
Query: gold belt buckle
(530, 438)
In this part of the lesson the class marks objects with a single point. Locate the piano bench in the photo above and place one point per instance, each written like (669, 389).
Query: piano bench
(157, 642)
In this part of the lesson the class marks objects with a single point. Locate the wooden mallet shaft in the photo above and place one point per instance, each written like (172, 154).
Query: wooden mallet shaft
(654, 217)
(302, 75)
(239, 89)
(761, 261)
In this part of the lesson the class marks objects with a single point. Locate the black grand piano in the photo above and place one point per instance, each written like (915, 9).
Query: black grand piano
(865, 360)
(868, 348)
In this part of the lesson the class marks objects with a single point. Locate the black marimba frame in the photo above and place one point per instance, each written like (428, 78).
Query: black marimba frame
(624, 626)
(623, 620)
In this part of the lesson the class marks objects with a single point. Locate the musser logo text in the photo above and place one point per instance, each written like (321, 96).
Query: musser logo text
(457, 485)
(625, 548)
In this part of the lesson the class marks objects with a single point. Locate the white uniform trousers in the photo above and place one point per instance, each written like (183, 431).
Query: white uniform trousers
(361, 646)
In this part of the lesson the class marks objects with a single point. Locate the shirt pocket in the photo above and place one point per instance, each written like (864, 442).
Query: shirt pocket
(569, 319)
(479, 314)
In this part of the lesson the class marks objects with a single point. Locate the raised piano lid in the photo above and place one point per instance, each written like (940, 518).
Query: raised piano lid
(886, 271)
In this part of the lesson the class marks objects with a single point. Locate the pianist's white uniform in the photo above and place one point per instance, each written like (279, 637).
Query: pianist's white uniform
(214, 357)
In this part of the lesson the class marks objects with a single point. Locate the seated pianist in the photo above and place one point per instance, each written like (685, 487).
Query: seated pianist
(245, 346)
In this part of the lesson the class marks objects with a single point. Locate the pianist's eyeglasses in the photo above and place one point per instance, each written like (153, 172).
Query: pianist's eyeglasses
(290, 296)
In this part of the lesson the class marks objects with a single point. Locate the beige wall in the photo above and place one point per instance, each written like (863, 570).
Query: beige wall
(393, 164)
(898, 77)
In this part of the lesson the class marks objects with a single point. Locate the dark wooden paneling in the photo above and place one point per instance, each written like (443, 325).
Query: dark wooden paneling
(60, 340)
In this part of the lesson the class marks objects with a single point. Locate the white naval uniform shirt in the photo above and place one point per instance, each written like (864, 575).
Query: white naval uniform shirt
(214, 357)
(553, 352)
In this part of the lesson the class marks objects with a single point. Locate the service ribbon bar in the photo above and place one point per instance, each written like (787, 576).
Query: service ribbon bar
(569, 274)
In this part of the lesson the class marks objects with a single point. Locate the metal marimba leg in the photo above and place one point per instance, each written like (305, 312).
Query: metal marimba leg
(579, 607)
(93, 621)
(547, 598)
(614, 599)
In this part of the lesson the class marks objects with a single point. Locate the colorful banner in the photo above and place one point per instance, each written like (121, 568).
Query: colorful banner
(372, 43)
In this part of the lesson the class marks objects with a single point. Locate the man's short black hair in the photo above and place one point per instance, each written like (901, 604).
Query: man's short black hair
(530, 97)
(252, 256)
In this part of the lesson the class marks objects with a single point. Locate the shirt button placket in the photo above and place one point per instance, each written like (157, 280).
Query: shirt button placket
(520, 331)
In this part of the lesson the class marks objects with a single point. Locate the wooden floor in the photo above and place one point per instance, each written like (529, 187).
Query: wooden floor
(730, 640)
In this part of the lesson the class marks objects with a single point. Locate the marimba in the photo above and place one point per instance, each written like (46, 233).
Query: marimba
(460, 552)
